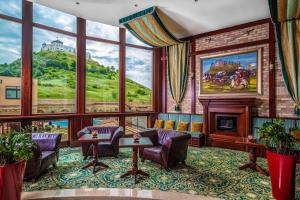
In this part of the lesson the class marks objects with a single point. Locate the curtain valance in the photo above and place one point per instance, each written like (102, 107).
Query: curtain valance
(147, 26)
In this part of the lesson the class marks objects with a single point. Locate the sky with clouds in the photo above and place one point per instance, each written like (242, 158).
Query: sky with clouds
(138, 61)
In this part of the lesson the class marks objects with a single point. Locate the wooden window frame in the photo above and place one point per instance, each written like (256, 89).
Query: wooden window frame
(80, 118)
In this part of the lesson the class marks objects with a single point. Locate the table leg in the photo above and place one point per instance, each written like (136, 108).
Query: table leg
(134, 170)
(252, 164)
(95, 161)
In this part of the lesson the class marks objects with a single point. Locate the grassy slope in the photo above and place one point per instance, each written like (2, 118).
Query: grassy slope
(56, 75)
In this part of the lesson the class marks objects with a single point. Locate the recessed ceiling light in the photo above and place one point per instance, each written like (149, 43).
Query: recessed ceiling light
(77, 2)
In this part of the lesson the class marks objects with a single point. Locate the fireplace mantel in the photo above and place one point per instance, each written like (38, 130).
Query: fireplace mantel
(226, 106)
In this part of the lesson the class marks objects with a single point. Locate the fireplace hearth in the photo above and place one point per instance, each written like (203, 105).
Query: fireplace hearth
(225, 120)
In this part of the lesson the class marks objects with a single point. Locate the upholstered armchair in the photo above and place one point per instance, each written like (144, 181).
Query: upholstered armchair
(47, 154)
(109, 148)
(169, 147)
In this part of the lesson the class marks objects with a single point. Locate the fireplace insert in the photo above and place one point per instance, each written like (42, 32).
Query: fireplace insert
(226, 123)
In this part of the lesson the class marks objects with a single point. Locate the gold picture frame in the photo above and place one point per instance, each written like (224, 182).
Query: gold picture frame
(233, 73)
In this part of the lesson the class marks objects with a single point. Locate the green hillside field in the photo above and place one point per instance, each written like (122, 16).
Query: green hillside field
(56, 75)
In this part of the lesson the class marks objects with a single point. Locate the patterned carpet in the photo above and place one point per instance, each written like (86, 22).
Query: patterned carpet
(211, 171)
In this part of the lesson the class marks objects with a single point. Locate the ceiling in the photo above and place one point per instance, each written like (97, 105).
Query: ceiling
(191, 17)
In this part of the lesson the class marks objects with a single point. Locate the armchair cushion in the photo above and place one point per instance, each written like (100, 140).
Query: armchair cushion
(47, 141)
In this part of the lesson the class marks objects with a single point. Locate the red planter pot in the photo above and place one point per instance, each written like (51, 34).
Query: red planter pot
(11, 181)
(282, 172)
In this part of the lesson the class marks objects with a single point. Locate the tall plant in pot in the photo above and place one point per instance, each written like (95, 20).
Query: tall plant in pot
(281, 158)
(15, 149)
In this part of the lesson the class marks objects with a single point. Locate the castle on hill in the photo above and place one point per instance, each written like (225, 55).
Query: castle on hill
(58, 45)
(220, 63)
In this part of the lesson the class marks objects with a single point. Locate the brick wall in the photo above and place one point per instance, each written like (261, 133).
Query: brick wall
(284, 104)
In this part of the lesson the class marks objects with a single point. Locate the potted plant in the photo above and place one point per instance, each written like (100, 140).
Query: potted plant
(281, 158)
(15, 149)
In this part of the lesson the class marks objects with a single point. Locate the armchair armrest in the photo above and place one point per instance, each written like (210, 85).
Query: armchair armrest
(47, 141)
(116, 136)
(177, 143)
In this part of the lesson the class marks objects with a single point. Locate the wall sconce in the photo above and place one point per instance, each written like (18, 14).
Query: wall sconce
(271, 67)
(192, 75)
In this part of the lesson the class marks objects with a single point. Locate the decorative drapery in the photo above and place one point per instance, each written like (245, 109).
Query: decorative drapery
(286, 17)
(148, 27)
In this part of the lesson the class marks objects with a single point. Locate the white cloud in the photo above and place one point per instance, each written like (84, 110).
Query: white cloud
(102, 30)
(11, 8)
(53, 18)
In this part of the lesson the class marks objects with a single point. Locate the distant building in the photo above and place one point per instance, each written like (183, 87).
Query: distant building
(10, 92)
(58, 45)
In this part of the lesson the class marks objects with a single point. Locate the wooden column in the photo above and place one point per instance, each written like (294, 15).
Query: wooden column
(164, 80)
(157, 80)
(122, 71)
(26, 83)
(26, 86)
(77, 123)
(272, 72)
(81, 59)
(193, 74)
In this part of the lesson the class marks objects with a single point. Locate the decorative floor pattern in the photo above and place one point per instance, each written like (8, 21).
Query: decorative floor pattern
(210, 172)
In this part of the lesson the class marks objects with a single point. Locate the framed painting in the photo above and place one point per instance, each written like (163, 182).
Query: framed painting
(237, 73)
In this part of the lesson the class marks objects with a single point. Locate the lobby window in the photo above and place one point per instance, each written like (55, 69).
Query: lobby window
(12, 8)
(10, 57)
(102, 69)
(106, 121)
(53, 62)
(130, 39)
(52, 126)
(103, 31)
(135, 124)
(138, 79)
(53, 18)
(12, 92)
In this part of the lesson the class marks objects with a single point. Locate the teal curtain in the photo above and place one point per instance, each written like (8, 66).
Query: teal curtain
(286, 17)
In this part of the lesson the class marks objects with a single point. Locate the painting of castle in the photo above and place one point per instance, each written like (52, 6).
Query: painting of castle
(231, 73)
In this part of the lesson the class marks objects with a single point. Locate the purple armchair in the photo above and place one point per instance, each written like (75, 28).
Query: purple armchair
(169, 147)
(109, 148)
(46, 154)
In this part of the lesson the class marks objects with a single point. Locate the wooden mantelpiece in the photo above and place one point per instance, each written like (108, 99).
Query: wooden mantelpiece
(240, 108)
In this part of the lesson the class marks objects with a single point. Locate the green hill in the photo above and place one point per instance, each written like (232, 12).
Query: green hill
(56, 75)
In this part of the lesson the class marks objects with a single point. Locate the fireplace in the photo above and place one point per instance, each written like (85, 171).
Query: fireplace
(226, 120)
(226, 123)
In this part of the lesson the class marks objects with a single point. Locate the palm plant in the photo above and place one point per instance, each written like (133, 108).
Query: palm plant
(273, 136)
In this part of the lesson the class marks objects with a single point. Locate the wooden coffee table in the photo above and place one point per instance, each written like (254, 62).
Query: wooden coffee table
(129, 142)
(90, 139)
(252, 147)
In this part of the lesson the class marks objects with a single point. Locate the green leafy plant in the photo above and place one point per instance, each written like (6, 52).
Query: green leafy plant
(48, 128)
(273, 136)
(16, 146)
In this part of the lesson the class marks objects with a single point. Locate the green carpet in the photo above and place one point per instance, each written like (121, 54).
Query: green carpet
(212, 171)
